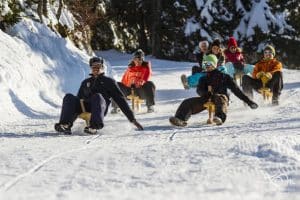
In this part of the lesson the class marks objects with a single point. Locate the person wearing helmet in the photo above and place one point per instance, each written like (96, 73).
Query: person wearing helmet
(137, 76)
(96, 93)
(272, 69)
(219, 83)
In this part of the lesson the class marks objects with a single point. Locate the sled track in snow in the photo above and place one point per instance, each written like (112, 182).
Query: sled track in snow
(38, 166)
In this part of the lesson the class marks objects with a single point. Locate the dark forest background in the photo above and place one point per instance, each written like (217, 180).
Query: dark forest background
(171, 29)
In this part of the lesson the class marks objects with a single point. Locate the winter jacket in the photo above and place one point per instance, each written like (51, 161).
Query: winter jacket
(220, 82)
(271, 66)
(236, 57)
(108, 88)
(137, 75)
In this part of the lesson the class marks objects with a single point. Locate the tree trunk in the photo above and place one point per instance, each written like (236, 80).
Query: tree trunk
(156, 43)
(142, 36)
(45, 8)
(40, 10)
(60, 7)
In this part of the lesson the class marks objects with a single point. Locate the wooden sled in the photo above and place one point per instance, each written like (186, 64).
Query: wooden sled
(266, 92)
(136, 101)
(210, 106)
(86, 116)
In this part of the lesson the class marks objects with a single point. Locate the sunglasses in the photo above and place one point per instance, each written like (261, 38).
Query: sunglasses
(268, 52)
(96, 66)
(206, 64)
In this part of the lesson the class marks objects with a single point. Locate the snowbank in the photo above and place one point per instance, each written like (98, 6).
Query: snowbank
(37, 68)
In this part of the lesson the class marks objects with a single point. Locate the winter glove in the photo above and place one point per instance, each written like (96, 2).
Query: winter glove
(268, 75)
(252, 105)
(260, 74)
(138, 125)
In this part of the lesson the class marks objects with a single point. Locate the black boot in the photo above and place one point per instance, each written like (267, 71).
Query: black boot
(63, 128)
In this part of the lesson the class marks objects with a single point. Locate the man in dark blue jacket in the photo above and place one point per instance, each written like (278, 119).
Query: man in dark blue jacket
(219, 82)
(96, 93)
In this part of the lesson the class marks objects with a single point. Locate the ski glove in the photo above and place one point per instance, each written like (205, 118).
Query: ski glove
(138, 125)
(252, 105)
(260, 74)
(268, 75)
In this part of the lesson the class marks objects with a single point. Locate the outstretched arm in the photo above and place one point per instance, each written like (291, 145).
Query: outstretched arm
(119, 98)
(237, 92)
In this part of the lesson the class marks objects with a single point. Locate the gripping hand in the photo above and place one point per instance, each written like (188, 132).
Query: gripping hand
(260, 74)
(268, 75)
(138, 125)
(252, 105)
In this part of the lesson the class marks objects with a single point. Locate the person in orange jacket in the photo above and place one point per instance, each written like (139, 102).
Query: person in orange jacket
(137, 76)
(270, 67)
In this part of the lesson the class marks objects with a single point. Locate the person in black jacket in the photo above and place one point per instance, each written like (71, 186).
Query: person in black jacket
(96, 93)
(219, 82)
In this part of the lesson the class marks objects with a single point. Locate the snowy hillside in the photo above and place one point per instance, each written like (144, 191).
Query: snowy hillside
(37, 68)
(254, 155)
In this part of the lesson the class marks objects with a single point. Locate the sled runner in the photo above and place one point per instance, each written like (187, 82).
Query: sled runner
(265, 91)
(136, 101)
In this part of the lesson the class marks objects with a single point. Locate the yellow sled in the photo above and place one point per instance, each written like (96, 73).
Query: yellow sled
(136, 101)
(266, 92)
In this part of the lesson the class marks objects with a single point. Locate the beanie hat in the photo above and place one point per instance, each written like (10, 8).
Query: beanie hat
(96, 60)
(139, 54)
(216, 42)
(232, 42)
(210, 58)
(271, 48)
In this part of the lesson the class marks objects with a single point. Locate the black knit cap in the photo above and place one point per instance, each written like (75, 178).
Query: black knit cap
(94, 60)
(216, 42)
(139, 54)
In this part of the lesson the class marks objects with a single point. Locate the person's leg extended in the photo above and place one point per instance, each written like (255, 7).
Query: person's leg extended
(70, 109)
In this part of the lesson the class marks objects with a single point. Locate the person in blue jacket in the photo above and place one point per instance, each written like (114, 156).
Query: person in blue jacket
(96, 93)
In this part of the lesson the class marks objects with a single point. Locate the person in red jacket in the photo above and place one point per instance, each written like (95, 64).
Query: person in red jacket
(137, 76)
(234, 59)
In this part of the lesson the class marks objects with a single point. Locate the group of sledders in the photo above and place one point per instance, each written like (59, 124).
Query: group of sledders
(212, 77)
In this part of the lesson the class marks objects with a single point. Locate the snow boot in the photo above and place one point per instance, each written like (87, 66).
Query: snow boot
(115, 111)
(63, 128)
(184, 81)
(90, 130)
(217, 120)
(177, 122)
(275, 101)
(150, 109)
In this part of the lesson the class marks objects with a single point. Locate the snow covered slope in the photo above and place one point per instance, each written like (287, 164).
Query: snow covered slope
(254, 155)
(37, 68)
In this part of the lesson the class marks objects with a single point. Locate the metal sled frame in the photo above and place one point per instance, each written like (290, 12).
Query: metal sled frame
(86, 116)
(136, 101)
(266, 92)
